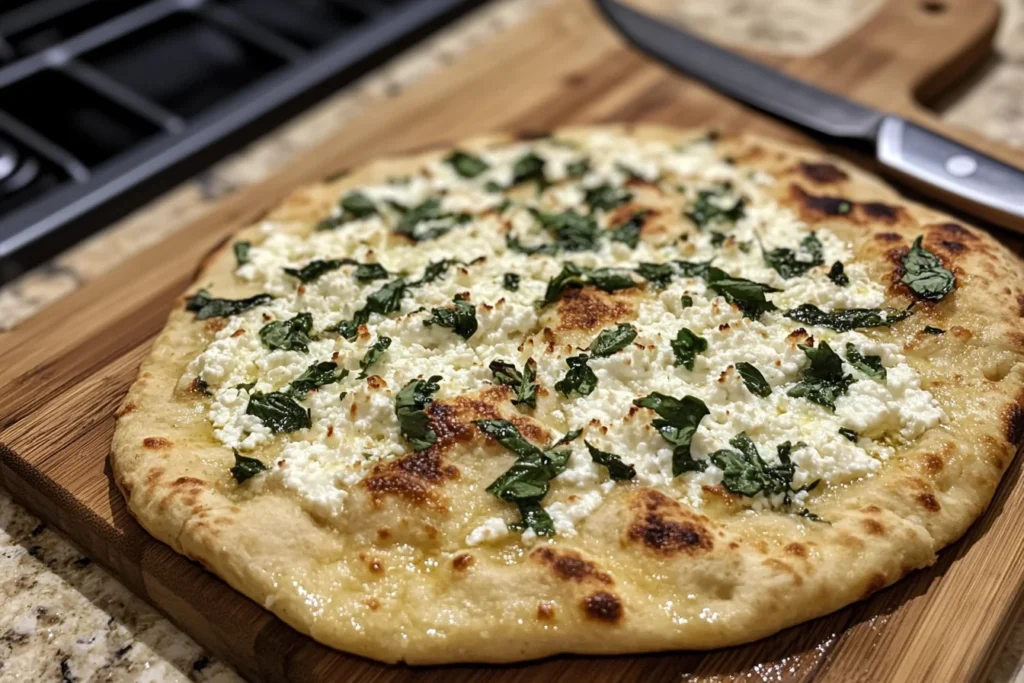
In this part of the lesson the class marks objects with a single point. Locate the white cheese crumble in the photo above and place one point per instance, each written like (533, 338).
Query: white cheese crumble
(353, 421)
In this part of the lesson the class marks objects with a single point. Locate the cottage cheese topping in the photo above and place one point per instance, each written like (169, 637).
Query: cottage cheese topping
(353, 421)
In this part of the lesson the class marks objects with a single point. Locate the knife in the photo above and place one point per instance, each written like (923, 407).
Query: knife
(943, 168)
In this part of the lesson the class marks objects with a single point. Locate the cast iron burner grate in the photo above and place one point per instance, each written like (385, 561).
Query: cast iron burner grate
(105, 103)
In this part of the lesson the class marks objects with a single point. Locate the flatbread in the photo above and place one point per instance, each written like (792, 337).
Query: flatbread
(369, 546)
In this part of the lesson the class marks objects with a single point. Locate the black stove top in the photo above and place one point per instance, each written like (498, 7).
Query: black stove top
(105, 103)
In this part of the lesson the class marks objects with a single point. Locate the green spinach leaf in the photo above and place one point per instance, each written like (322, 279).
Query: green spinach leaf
(293, 334)
(869, 365)
(205, 306)
(612, 340)
(279, 411)
(510, 281)
(242, 252)
(410, 409)
(465, 164)
(848, 319)
(617, 470)
(373, 354)
(754, 380)
(579, 379)
(677, 423)
(837, 274)
(925, 275)
(316, 375)
(245, 468)
(686, 346)
(629, 232)
(523, 383)
(460, 318)
(824, 380)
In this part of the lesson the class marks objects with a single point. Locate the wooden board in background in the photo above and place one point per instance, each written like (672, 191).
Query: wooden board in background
(63, 372)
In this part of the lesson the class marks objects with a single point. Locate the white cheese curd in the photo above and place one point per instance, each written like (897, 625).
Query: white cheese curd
(494, 529)
(353, 421)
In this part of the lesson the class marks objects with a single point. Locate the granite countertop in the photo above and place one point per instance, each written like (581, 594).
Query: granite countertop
(65, 618)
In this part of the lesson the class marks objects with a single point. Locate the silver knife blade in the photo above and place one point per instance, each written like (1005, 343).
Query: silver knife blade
(946, 169)
(745, 80)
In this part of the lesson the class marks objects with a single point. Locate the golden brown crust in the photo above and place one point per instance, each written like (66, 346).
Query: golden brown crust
(397, 583)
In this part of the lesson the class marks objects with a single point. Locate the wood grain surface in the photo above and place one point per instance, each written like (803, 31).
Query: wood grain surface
(63, 373)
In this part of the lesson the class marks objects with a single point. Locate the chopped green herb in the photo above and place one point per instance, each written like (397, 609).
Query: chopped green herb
(314, 269)
(579, 379)
(747, 295)
(678, 422)
(848, 319)
(869, 365)
(686, 346)
(529, 167)
(572, 231)
(686, 301)
(245, 386)
(717, 239)
(848, 434)
(410, 404)
(925, 275)
(368, 272)
(612, 340)
(788, 263)
(510, 281)
(658, 273)
(823, 380)
(837, 274)
(575, 276)
(316, 375)
(528, 480)
(577, 169)
(206, 306)
(629, 232)
(434, 271)
(465, 164)
(429, 212)
(373, 354)
(754, 380)
(242, 252)
(460, 318)
(606, 197)
(505, 373)
(708, 209)
(933, 330)
(245, 468)
(811, 516)
(387, 299)
(617, 470)
(293, 334)
(278, 411)
(746, 473)
(354, 206)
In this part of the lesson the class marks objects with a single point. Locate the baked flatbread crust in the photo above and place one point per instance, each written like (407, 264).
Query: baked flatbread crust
(396, 581)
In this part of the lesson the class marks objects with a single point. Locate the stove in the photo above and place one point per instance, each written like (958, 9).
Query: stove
(106, 103)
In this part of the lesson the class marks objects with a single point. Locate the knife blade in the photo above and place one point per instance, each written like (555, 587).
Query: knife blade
(940, 166)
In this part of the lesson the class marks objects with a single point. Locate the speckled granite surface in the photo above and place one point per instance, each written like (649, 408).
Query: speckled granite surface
(64, 618)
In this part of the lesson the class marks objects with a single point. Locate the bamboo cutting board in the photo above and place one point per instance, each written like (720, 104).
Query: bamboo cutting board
(63, 373)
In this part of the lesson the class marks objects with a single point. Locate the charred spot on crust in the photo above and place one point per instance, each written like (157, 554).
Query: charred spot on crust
(933, 463)
(587, 308)
(128, 407)
(187, 481)
(823, 172)
(797, 549)
(336, 175)
(954, 231)
(1014, 424)
(214, 325)
(545, 611)
(452, 419)
(603, 606)
(664, 526)
(872, 509)
(569, 565)
(783, 568)
(156, 442)
(462, 562)
(928, 502)
(882, 212)
(413, 477)
(1020, 305)
(873, 527)
(821, 205)
(952, 246)
(888, 237)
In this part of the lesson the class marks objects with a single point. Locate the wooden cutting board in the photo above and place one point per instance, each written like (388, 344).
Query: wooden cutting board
(63, 373)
